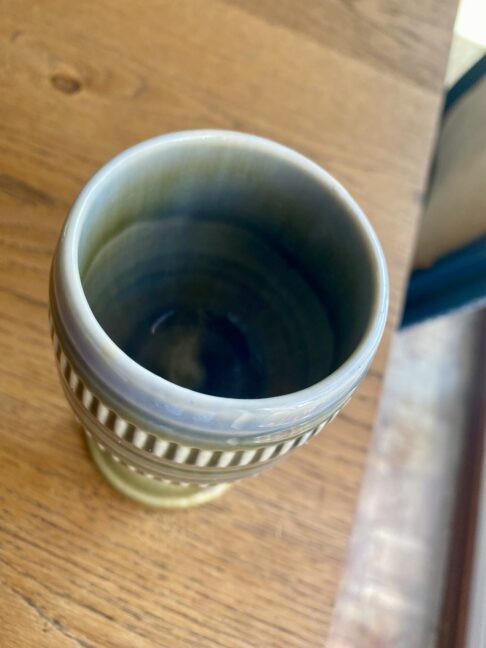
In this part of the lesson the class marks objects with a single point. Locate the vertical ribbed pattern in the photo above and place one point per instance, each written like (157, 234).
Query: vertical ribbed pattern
(147, 442)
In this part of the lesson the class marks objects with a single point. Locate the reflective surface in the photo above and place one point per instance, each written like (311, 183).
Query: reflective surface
(229, 273)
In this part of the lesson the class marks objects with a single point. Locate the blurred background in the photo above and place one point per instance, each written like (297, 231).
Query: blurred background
(417, 564)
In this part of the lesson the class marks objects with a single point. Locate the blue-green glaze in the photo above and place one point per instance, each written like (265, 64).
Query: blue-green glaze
(233, 250)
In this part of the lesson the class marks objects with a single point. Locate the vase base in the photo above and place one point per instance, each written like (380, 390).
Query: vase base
(151, 492)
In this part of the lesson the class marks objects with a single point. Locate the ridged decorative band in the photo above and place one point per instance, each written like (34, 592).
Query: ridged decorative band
(147, 442)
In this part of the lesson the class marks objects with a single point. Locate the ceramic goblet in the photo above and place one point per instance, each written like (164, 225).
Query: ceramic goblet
(215, 300)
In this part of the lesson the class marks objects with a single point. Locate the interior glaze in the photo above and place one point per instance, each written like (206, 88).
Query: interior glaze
(229, 273)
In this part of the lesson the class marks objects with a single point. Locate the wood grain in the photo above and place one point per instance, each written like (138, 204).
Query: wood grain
(354, 85)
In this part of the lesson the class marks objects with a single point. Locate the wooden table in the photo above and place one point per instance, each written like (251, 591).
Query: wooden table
(354, 85)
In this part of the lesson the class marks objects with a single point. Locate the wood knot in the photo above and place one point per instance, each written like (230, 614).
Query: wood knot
(65, 83)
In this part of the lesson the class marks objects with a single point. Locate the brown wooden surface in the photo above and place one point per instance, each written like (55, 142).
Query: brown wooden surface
(354, 85)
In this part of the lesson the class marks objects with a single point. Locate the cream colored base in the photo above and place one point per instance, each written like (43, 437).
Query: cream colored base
(151, 491)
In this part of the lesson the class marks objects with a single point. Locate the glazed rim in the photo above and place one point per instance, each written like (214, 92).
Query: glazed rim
(240, 415)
